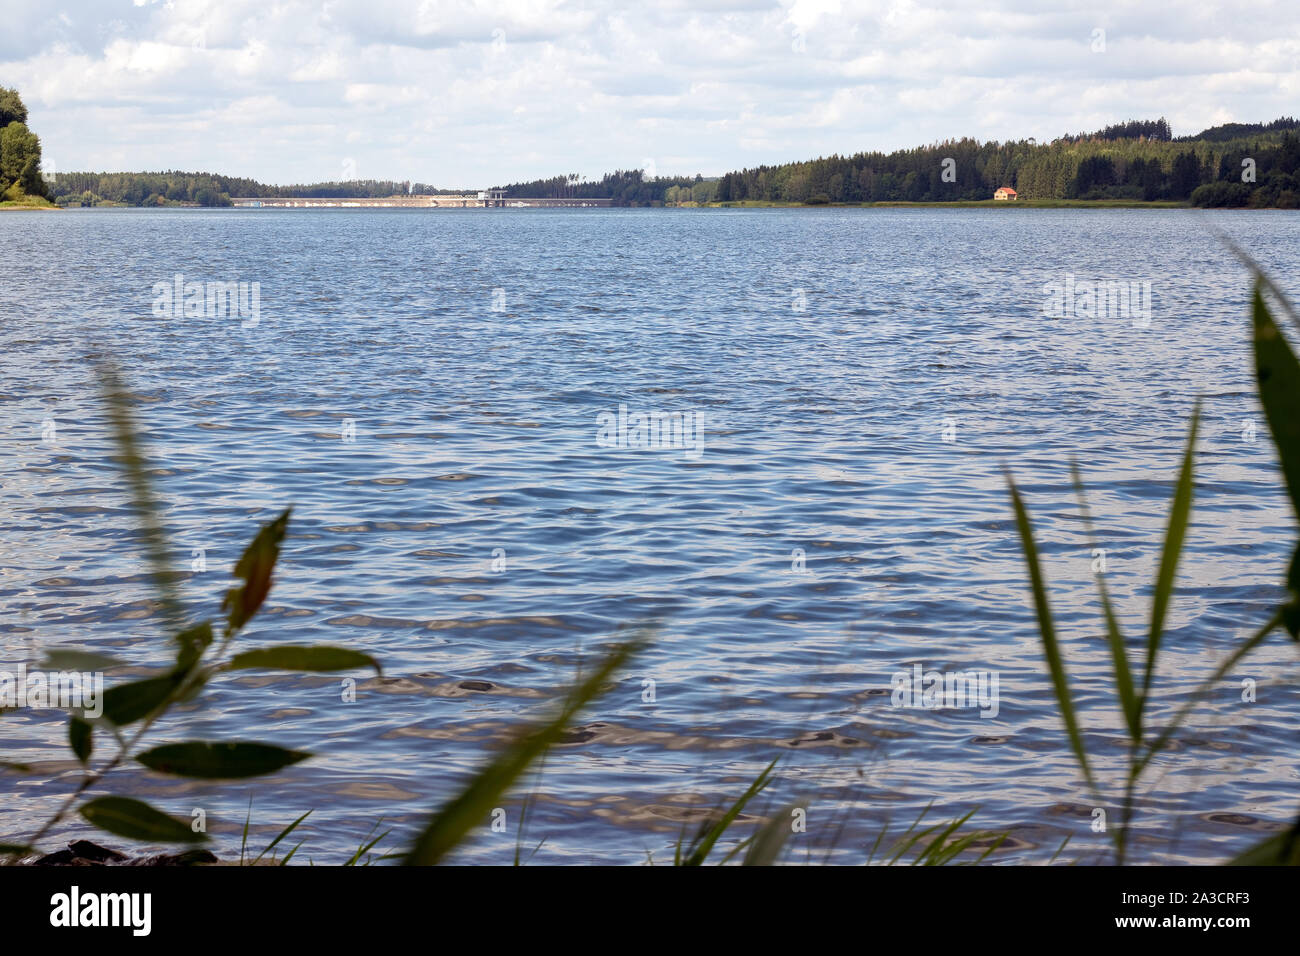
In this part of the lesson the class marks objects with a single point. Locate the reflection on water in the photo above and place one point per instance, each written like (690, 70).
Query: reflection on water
(426, 389)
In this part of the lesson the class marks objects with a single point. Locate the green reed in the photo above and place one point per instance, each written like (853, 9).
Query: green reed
(1278, 377)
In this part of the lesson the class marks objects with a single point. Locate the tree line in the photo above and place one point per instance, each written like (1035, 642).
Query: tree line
(1131, 129)
(626, 187)
(1140, 168)
(1138, 160)
(173, 187)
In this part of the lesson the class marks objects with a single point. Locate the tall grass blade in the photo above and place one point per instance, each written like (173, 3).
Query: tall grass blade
(935, 848)
(875, 847)
(1220, 672)
(997, 842)
(912, 841)
(1278, 375)
(243, 840)
(118, 401)
(283, 833)
(450, 824)
(1047, 630)
(915, 823)
(1060, 848)
(289, 856)
(365, 848)
(712, 832)
(769, 841)
(524, 810)
(1282, 849)
(1114, 636)
(957, 847)
(1173, 549)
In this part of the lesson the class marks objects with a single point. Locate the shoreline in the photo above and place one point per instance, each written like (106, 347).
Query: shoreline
(959, 204)
(741, 204)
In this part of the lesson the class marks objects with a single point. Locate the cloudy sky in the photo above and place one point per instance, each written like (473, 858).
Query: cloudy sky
(460, 93)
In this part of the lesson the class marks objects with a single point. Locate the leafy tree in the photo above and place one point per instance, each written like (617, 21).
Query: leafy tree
(20, 150)
(20, 159)
(12, 109)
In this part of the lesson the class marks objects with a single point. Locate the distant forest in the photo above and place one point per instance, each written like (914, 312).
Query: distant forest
(1135, 160)
(626, 187)
(1252, 165)
(210, 189)
(1235, 164)
(1130, 129)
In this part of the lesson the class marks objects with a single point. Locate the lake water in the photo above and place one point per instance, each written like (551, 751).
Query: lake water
(427, 388)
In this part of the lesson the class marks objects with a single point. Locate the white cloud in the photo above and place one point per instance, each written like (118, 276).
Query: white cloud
(471, 94)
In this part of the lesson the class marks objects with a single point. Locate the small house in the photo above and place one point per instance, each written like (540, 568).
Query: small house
(1006, 192)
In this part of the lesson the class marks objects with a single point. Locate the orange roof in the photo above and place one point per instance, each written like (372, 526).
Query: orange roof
(1007, 189)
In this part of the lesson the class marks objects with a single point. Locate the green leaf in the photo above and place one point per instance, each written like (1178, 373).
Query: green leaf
(68, 660)
(138, 821)
(301, 657)
(1291, 619)
(219, 761)
(127, 703)
(16, 849)
(1282, 849)
(1278, 375)
(255, 567)
(1173, 548)
(81, 738)
(1047, 631)
(193, 642)
(449, 825)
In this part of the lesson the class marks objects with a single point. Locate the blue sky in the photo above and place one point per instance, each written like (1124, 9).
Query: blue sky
(474, 94)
